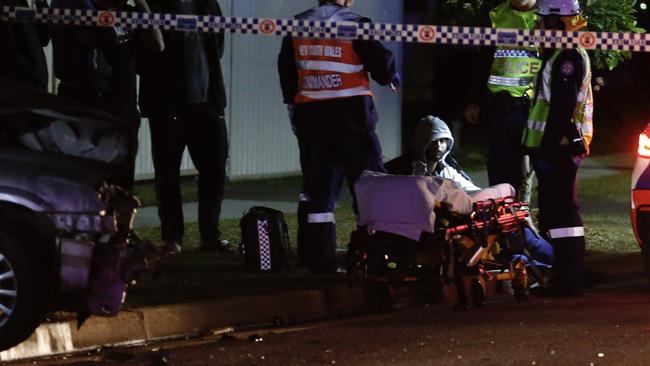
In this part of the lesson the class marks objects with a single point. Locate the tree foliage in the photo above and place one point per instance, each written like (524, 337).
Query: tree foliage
(611, 16)
(603, 16)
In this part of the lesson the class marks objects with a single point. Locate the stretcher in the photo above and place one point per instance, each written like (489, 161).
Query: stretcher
(426, 228)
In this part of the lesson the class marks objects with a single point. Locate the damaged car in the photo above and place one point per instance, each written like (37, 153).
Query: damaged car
(640, 210)
(66, 238)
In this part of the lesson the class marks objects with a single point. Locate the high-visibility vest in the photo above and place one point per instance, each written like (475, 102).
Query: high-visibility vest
(514, 69)
(329, 68)
(541, 106)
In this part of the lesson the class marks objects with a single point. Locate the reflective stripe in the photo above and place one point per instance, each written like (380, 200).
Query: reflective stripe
(303, 197)
(567, 232)
(320, 218)
(540, 109)
(515, 53)
(330, 66)
(330, 94)
(509, 81)
(328, 69)
(536, 125)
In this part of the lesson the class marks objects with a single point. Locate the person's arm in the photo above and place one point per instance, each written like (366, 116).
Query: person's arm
(12, 60)
(81, 35)
(151, 39)
(216, 40)
(377, 59)
(288, 71)
(220, 37)
(477, 90)
(566, 78)
(462, 182)
(42, 29)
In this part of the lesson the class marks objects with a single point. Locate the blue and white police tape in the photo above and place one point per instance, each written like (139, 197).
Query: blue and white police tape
(474, 36)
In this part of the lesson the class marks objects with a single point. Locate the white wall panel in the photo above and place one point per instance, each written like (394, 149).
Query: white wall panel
(261, 141)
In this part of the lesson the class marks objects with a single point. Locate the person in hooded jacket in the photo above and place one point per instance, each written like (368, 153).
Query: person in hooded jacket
(326, 87)
(429, 155)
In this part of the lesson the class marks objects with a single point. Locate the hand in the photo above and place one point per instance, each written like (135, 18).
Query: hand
(472, 113)
(528, 222)
(523, 5)
(143, 5)
(290, 112)
(395, 83)
(40, 4)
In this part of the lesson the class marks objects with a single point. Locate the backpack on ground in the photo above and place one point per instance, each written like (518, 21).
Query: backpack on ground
(265, 240)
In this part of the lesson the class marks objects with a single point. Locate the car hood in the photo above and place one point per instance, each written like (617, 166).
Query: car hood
(36, 120)
(64, 184)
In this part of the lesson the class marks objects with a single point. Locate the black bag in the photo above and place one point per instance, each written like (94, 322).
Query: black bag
(264, 240)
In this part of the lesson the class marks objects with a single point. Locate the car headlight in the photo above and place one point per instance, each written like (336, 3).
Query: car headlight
(120, 204)
(644, 145)
(74, 222)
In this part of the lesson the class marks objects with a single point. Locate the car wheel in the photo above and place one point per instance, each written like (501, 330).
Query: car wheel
(645, 255)
(520, 293)
(20, 307)
(643, 225)
(478, 293)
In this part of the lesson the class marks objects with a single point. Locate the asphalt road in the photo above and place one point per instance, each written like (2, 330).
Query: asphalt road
(608, 326)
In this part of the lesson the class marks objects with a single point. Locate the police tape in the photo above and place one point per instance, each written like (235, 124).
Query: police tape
(411, 33)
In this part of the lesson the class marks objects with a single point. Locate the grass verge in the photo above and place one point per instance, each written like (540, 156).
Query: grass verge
(605, 207)
(195, 275)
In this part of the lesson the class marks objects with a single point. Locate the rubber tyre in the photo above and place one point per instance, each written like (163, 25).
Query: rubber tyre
(643, 226)
(645, 256)
(28, 309)
(520, 293)
(356, 266)
(478, 293)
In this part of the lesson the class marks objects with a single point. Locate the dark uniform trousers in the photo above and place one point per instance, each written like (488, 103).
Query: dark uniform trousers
(201, 129)
(337, 140)
(507, 119)
(560, 213)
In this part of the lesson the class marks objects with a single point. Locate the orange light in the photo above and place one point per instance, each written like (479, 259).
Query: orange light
(644, 145)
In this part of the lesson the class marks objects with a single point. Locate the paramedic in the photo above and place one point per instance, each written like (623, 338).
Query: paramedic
(558, 135)
(429, 155)
(506, 105)
(325, 85)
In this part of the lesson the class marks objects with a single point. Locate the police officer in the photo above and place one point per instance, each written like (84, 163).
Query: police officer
(510, 87)
(558, 135)
(326, 86)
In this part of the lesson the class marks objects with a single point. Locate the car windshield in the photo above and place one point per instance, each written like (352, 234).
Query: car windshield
(36, 120)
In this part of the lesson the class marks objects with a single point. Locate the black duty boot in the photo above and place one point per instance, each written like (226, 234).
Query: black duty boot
(568, 267)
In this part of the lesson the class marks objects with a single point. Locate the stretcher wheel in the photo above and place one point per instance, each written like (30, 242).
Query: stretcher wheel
(478, 293)
(520, 293)
(357, 265)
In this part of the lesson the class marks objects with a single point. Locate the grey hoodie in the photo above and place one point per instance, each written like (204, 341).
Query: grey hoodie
(332, 13)
(429, 129)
